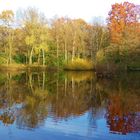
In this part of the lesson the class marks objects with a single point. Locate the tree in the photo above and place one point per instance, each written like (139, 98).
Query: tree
(7, 19)
(20, 55)
(57, 32)
(35, 27)
(120, 16)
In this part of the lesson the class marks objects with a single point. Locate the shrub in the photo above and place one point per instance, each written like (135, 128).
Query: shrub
(3, 60)
(79, 64)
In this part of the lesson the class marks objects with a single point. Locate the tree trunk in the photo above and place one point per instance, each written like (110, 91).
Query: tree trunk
(43, 53)
(10, 53)
(43, 84)
(65, 50)
(10, 47)
(30, 57)
(57, 51)
(38, 60)
(73, 46)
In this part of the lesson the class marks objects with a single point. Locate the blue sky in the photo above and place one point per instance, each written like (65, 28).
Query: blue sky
(86, 9)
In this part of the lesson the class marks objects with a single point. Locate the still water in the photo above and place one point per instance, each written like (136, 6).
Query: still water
(69, 106)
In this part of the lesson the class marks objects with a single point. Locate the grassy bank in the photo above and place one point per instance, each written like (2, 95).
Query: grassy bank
(20, 67)
(12, 67)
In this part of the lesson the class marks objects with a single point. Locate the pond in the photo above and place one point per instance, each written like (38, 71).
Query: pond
(69, 106)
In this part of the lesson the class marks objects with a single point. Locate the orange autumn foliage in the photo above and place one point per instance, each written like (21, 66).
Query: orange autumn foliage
(120, 16)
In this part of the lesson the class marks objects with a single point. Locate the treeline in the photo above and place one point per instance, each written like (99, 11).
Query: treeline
(63, 42)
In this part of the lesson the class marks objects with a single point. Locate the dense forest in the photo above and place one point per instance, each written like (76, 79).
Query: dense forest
(28, 39)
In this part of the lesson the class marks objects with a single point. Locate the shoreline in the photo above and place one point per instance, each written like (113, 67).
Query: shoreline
(20, 67)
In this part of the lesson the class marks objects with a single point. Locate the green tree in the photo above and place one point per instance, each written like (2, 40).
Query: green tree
(7, 20)
(36, 39)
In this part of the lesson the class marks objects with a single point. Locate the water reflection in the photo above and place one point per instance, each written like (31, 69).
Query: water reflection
(28, 99)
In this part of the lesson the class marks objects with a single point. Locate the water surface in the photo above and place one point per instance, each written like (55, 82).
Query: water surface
(69, 106)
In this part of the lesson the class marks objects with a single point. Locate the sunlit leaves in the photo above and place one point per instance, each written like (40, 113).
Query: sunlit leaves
(120, 16)
(7, 16)
(30, 40)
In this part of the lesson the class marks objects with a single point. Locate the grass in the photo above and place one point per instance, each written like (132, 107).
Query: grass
(79, 64)
(18, 67)
(12, 67)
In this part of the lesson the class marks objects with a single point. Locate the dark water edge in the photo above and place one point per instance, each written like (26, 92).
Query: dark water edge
(69, 105)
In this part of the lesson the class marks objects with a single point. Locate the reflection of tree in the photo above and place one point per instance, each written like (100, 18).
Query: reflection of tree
(65, 97)
(7, 117)
(32, 114)
(28, 98)
(73, 97)
(123, 104)
(122, 114)
(34, 110)
(9, 97)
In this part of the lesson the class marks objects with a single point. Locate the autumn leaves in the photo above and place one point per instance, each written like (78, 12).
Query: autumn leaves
(64, 40)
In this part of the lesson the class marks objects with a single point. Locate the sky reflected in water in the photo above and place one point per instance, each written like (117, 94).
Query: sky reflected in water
(69, 105)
